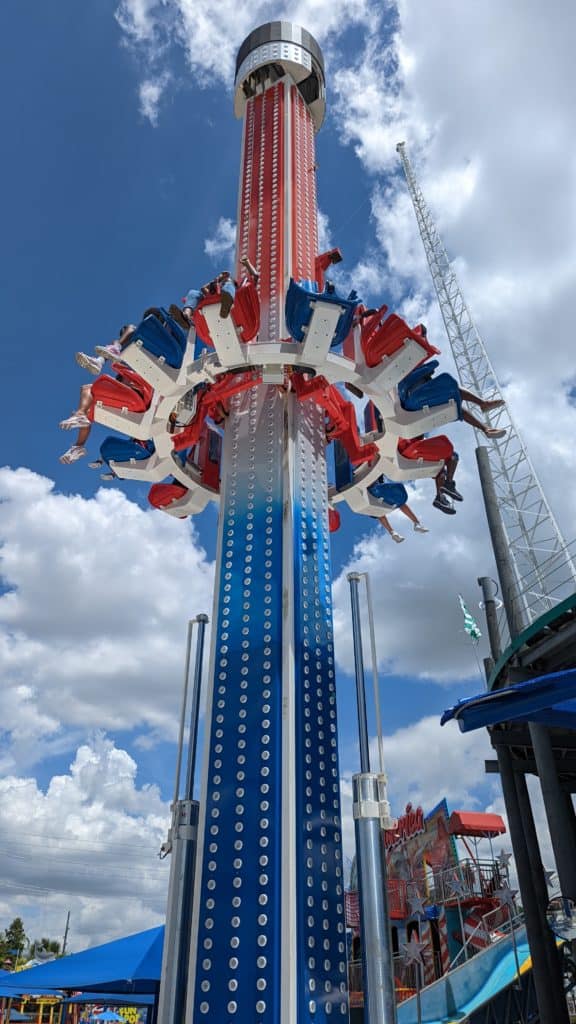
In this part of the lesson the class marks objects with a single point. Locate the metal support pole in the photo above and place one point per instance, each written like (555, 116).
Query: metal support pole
(540, 887)
(202, 621)
(377, 959)
(551, 1012)
(488, 599)
(371, 814)
(354, 579)
(181, 845)
(375, 682)
(504, 563)
(559, 825)
(526, 853)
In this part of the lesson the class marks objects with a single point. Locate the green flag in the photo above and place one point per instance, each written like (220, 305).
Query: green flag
(470, 624)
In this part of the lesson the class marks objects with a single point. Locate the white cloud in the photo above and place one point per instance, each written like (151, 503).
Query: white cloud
(324, 232)
(424, 762)
(93, 619)
(150, 93)
(210, 52)
(223, 241)
(89, 843)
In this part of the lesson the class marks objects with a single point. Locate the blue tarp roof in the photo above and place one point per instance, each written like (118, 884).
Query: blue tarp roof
(115, 998)
(550, 700)
(11, 989)
(131, 964)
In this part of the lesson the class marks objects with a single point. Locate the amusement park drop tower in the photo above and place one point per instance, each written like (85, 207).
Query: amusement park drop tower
(268, 939)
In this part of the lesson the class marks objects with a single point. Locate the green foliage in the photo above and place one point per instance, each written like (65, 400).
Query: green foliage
(13, 942)
(15, 947)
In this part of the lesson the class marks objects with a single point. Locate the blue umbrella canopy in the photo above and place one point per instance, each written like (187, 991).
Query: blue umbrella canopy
(131, 964)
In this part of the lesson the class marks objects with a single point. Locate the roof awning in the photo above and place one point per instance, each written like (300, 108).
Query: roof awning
(471, 823)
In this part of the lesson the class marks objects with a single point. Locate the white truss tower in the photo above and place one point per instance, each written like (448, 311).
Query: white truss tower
(544, 570)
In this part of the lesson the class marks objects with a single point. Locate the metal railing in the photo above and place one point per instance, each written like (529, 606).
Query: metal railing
(475, 879)
(492, 927)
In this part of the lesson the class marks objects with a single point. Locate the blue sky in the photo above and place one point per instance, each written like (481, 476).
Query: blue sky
(120, 167)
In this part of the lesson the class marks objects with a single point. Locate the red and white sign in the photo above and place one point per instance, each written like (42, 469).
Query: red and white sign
(410, 824)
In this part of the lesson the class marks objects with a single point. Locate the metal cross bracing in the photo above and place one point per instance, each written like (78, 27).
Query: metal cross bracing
(543, 565)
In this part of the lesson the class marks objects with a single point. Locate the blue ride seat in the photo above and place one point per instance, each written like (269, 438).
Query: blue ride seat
(165, 340)
(392, 494)
(122, 449)
(300, 301)
(343, 468)
(421, 388)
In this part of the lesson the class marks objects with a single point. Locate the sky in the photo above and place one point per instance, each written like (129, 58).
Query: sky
(119, 183)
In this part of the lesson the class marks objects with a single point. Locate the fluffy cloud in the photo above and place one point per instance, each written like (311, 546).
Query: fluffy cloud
(453, 769)
(223, 241)
(93, 617)
(88, 843)
(210, 52)
(150, 93)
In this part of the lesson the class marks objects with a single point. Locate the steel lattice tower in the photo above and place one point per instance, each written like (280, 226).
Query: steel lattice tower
(543, 567)
(268, 942)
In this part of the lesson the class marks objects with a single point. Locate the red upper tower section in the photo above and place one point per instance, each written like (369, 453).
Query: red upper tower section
(280, 94)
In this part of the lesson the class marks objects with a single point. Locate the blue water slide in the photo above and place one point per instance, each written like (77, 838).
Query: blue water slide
(549, 699)
(300, 301)
(464, 993)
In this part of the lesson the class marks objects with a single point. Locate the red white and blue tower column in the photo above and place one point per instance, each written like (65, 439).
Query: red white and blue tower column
(268, 938)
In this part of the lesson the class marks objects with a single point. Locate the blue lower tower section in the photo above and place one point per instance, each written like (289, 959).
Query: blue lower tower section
(321, 952)
(268, 942)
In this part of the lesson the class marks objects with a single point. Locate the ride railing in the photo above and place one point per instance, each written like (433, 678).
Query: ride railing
(493, 926)
(408, 978)
(470, 879)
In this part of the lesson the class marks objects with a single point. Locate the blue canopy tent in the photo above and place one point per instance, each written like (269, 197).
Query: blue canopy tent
(550, 700)
(131, 966)
(114, 998)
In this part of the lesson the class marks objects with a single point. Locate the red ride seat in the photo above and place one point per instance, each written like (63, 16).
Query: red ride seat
(431, 449)
(162, 495)
(126, 391)
(383, 338)
(246, 310)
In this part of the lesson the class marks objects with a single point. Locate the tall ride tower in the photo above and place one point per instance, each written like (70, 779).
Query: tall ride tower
(268, 941)
(539, 556)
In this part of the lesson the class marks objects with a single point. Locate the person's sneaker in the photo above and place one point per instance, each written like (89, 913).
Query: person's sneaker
(75, 422)
(97, 464)
(441, 502)
(494, 433)
(226, 303)
(73, 454)
(420, 528)
(112, 351)
(90, 363)
(397, 537)
(107, 476)
(449, 488)
(176, 313)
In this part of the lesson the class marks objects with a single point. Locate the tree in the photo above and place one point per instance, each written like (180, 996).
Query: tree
(44, 948)
(15, 938)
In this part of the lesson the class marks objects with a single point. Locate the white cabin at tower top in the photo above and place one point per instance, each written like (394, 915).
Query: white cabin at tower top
(274, 50)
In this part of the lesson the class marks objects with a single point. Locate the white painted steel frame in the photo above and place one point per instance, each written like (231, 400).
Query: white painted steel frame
(538, 548)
